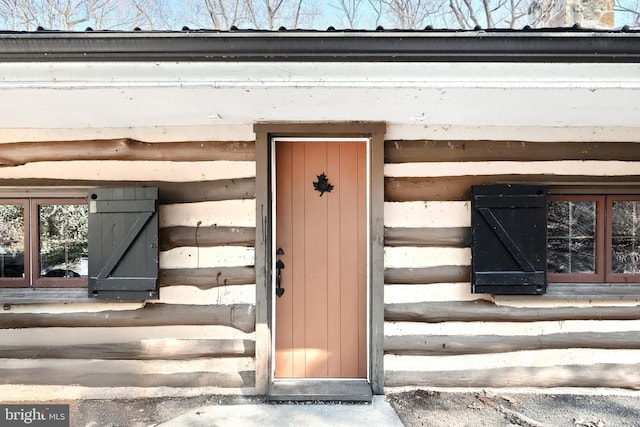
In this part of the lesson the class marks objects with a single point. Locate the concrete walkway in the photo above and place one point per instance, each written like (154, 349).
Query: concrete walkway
(378, 413)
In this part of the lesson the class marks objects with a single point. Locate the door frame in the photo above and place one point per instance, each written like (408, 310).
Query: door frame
(265, 135)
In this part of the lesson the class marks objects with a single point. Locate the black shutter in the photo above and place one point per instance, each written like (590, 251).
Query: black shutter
(123, 243)
(509, 239)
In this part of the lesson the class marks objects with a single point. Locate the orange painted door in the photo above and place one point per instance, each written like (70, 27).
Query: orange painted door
(321, 316)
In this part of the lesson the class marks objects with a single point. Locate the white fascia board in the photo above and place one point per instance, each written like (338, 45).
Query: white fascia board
(308, 75)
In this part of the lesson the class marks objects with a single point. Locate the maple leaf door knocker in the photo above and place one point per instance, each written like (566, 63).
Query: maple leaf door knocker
(322, 184)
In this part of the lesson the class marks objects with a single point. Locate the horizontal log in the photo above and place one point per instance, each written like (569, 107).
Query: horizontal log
(181, 236)
(14, 154)
(476, 344)
(168, 192)
(455, 188)
(239, 316)
(439, 274)
(486, 311)
(591, 168)
(205, 191)
(597, 375)
(457, 237)
(474, 151)
(208, 278)
(406, 189)
(148, 349)
(87, 375)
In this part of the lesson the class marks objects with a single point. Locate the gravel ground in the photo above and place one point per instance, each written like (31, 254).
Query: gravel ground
(414, 408)
(435, 409)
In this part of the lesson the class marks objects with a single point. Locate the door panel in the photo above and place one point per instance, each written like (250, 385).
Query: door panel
(321, 317)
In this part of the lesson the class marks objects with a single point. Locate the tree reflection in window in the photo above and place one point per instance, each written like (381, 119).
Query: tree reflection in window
(63, 240)
(571, 241)
(625, 237)
(12, 234)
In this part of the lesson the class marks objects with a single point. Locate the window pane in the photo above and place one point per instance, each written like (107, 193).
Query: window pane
(571, 244)
(63, 240)
(625, 237)
(557, 224)
(12, 241)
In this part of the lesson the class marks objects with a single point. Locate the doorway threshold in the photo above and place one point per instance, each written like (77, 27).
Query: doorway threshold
(319, 390)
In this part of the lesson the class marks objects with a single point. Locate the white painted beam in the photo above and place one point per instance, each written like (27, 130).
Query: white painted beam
(230, 213)
(427, 214)
(120, 170)
(97, 95)
(566, 167)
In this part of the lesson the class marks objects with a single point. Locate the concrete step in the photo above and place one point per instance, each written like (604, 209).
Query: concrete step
(320, 390)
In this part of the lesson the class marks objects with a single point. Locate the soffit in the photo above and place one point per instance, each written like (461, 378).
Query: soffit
(132, 94)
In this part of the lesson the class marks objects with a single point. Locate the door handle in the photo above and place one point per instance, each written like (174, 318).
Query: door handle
(279, 288)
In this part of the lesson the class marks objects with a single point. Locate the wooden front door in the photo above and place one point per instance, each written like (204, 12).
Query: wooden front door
(321, 243)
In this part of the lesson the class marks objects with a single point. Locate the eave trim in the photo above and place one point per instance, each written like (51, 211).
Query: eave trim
(433, 46)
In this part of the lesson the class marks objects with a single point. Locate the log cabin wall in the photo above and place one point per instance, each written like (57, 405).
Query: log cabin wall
(437, 333)
(200, 334)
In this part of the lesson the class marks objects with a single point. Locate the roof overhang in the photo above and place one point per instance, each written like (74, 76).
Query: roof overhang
(118, 80)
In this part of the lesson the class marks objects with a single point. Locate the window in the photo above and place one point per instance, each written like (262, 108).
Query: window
(593, 239)
(58, 245)
(575, 244)
(43, 242)
(523, 239)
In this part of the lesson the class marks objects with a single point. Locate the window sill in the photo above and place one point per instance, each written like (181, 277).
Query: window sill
(584, 291)
(43, 295)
